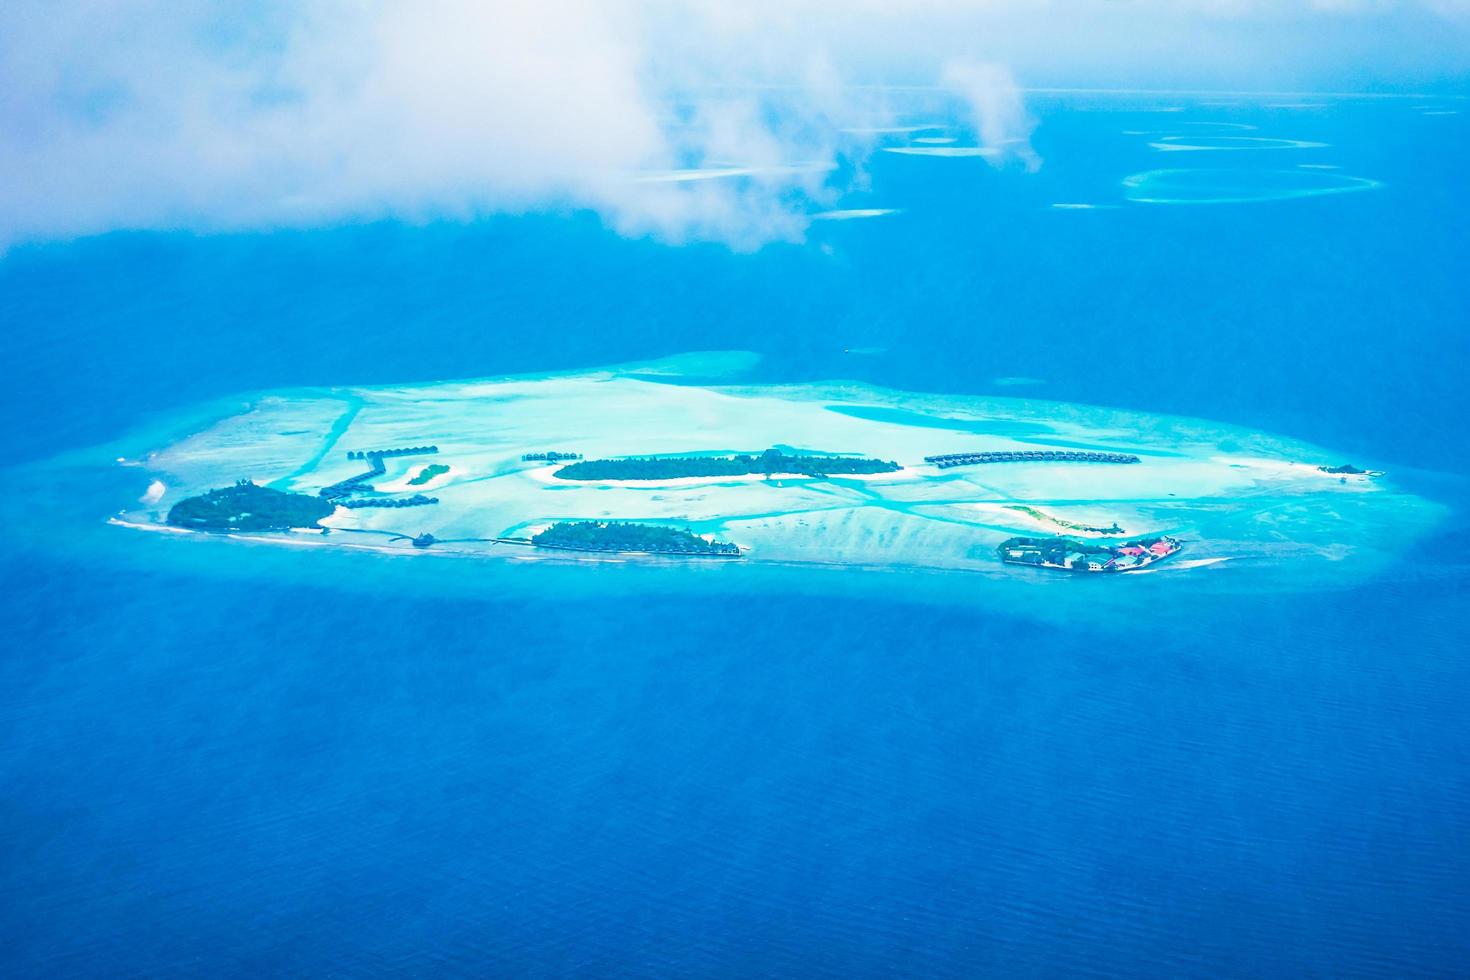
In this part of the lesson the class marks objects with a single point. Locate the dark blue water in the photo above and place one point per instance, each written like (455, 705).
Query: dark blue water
(225, 760)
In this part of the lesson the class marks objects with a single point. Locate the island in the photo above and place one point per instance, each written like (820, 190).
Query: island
(656, 482)
(247, 506)
(428, 473)
(1078, 555)
(649, 539)
(772, 462)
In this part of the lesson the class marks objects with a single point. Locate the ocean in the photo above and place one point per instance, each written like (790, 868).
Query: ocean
(230, 760)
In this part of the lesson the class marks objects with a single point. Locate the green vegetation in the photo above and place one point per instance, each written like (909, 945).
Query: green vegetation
(1043, 516)
(1080, 554)
(249, 507)
(619, 536)
(428, 473)
(1348, 468)
(771, 462)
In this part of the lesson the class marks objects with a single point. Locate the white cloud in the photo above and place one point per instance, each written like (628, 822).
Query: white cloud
(139, 115)
(147, 114)
(997, 108)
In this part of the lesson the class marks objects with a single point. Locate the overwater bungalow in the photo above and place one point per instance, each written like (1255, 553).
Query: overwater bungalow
(1028, 456)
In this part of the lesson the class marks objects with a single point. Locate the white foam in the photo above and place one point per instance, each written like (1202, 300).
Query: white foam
(847, 214)
(934, 139)
(1080, 206)
(1179, 565)
(719, 173)
(885, 130)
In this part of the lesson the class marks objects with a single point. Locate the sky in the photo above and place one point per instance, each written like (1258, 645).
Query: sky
(691, 121)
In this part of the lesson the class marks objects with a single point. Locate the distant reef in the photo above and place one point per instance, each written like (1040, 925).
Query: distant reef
(619, 536)
(772, 462)
(248, 506)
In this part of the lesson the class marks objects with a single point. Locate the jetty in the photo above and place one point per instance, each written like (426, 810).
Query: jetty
(1029, 456)
(374, 458)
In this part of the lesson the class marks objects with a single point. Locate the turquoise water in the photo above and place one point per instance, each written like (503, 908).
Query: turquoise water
(899, 416)
(223, 759)
(329, 442)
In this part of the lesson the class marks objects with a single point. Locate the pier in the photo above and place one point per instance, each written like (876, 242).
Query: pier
(1029, 456)
(374, 459)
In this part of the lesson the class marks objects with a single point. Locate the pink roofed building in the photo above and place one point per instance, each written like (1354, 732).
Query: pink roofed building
(1131, 549)
(1161, 548)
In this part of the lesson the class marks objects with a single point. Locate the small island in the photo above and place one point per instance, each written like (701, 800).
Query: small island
(615, 536)
(428, 473)
(1077, 555)
(248, 506)
(1347, 469)
(772, 462)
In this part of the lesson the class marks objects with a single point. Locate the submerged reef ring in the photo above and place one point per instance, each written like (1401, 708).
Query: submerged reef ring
(1226, 126)
(1172, 143)
(888, 130)
(944, 151)
(1173, 186)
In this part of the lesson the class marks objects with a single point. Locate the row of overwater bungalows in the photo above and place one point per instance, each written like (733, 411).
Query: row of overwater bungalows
(1029, 456)
(417, 500)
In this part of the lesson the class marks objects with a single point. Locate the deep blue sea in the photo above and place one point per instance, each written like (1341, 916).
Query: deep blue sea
(227, 760)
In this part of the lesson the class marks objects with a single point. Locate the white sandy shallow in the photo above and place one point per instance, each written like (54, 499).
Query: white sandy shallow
(1227, 491)
(943, 151)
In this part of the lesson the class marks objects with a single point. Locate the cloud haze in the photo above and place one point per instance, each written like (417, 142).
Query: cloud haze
(144, 114)
(996, 107)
